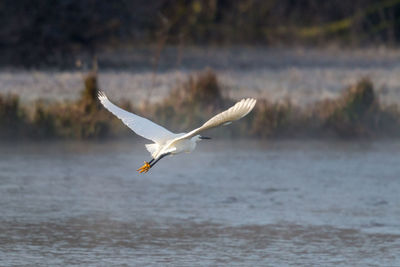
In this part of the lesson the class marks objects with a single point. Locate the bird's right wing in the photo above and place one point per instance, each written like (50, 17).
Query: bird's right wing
(139, 125)
(239, 110)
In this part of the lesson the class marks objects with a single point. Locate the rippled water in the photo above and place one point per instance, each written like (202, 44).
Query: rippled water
(232, 203)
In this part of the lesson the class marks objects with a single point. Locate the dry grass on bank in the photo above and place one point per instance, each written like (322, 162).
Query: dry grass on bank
(356, 113)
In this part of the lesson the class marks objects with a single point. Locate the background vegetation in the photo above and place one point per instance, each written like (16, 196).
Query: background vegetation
(357, 113)
(56, 33)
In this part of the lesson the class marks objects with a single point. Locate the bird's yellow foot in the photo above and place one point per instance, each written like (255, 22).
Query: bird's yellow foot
(145, 168)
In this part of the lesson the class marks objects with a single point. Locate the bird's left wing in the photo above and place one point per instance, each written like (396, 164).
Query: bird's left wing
(239, 110)
(139, 125)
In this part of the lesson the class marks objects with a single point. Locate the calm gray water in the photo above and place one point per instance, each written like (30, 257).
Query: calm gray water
(229, 203)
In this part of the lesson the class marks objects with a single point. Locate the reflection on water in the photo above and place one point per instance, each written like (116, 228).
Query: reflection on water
(228, 203)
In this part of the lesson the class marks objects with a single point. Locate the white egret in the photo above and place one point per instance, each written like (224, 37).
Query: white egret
(168, 143)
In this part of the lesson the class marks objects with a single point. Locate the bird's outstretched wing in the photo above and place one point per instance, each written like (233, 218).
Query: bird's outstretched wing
(239, 110)
(139, 125)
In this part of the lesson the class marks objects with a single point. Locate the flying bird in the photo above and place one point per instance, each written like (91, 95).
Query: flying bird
(169, 143)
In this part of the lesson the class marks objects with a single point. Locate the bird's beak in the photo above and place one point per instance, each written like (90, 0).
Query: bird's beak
(204, 137)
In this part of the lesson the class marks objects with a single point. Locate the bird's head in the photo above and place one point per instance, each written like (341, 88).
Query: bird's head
(200, 137)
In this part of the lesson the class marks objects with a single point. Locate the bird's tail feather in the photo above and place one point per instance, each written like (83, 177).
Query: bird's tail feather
(152, 148)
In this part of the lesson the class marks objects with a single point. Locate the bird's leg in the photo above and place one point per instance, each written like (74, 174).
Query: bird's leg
(147, 165)
(163, 155)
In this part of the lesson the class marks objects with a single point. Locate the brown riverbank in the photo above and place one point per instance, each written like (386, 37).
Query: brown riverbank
(356, 113)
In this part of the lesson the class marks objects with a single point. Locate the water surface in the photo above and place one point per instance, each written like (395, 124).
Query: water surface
(234, 203)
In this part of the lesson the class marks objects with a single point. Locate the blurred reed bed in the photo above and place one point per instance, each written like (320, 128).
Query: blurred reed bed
(82, 119)
(190, 103)
(356, 113)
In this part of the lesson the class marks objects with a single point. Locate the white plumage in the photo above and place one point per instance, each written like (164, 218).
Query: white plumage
(139, 125)
(166, 142)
